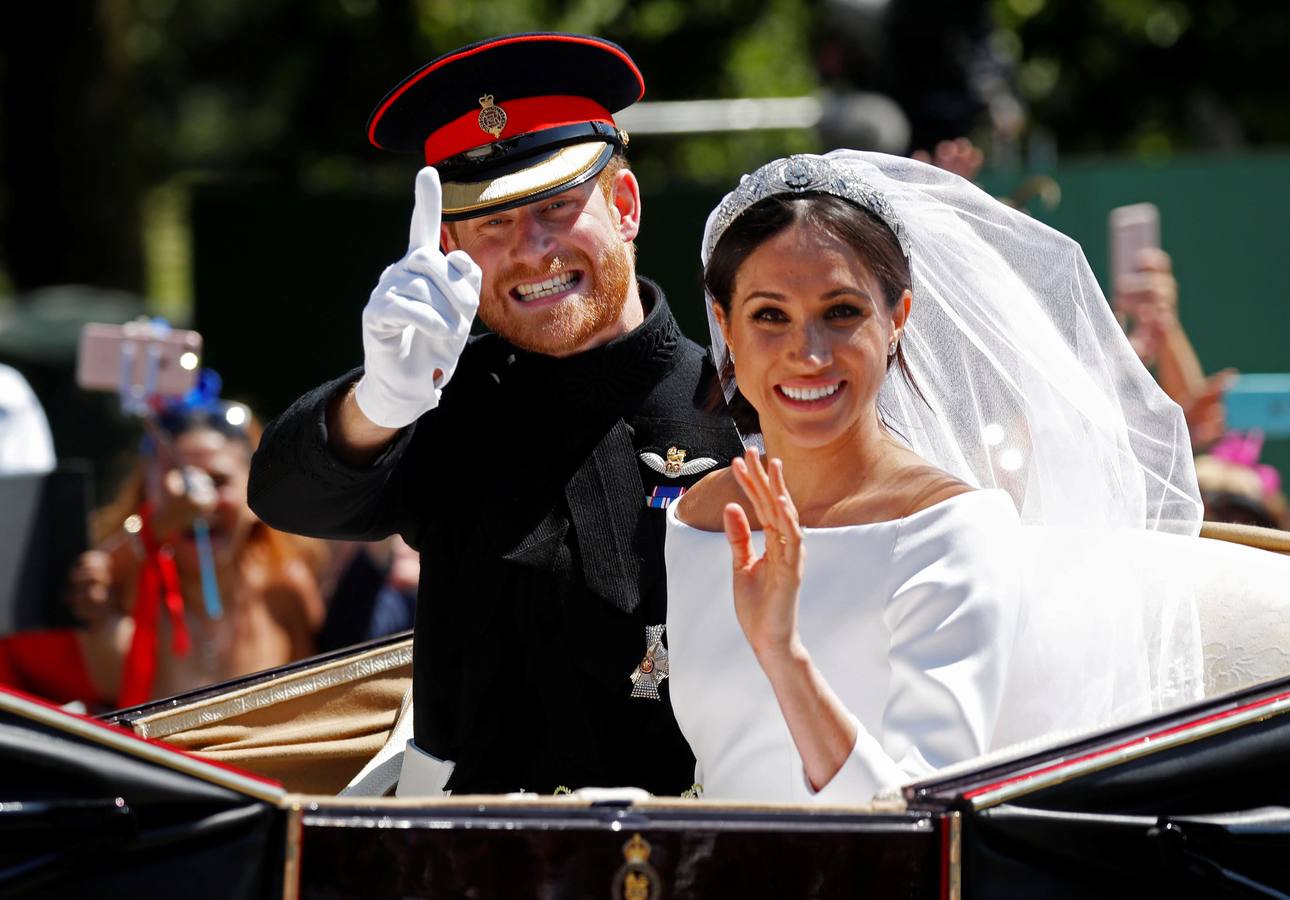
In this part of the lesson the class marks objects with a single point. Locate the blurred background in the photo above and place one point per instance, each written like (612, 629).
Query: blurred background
(207, 162)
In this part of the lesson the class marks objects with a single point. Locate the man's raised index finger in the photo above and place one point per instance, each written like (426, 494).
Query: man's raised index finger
(426, 212)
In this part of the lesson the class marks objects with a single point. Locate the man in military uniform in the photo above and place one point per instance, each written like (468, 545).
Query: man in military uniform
(530, 466)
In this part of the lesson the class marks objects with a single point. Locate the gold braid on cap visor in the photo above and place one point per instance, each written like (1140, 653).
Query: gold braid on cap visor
(567, 164)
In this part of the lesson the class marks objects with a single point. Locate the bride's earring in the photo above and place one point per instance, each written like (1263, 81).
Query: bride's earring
(891, 349)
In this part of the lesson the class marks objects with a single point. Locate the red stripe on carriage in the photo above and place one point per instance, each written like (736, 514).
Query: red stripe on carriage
(1144, 739)
(121, 731)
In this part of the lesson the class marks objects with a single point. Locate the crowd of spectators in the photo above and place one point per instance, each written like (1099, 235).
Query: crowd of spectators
(1235, 487)
(183, 585)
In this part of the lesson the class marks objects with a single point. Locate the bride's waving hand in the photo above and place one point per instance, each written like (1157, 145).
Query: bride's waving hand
(766, 589)
(766, 585)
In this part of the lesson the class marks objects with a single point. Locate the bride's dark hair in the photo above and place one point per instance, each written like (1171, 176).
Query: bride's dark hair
(859, 229)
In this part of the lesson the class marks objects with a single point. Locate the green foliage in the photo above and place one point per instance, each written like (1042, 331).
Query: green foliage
(278, 91)
(1150, 77)
(771, 57)
(154, 93)
(282, 89)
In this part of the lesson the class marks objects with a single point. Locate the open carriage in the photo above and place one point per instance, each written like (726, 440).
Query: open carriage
(232, 791)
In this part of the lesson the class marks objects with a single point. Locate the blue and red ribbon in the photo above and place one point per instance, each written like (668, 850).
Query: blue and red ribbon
(663, 496)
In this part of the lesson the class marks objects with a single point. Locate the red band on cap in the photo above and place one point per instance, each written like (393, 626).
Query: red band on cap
(522, 116)
(492, 45)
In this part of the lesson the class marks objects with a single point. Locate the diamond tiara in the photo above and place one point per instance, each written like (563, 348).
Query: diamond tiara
(801, 174)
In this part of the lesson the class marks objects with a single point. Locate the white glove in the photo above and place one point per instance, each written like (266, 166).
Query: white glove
(417, 320)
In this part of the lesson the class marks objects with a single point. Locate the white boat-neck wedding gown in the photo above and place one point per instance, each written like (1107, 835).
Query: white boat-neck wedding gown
(912, 623)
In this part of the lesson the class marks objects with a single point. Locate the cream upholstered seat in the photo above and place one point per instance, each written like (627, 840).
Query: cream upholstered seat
(312, 726)
(1243, 598)
(380, 776)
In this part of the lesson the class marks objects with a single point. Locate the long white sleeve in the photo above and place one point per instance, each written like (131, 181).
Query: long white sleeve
(952, 619)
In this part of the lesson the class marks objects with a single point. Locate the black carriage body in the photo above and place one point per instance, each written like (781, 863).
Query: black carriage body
(1192, 804)
(487, 847)
(1195, 803)
(87, 810)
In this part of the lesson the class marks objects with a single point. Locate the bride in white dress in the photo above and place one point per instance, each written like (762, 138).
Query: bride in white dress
(931, 376)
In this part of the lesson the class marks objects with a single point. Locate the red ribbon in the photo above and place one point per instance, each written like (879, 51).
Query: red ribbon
(158, 584)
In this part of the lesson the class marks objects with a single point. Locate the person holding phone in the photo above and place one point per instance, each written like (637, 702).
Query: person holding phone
(143, 594)
(530, 465)
(150, 630)
(1145, 297)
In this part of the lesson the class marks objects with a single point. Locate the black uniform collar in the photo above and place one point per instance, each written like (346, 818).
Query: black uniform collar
(627, 366)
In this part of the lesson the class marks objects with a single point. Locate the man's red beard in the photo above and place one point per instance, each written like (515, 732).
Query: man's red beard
(596, 304)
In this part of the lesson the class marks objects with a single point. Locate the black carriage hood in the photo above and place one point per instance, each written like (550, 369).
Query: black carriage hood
(89, 810)
(1193, 803)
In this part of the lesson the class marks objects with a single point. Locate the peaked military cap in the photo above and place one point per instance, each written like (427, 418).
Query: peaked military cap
(513, 119)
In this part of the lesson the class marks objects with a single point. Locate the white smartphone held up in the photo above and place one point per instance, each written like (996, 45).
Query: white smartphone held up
(1132, 229)
(138, 359)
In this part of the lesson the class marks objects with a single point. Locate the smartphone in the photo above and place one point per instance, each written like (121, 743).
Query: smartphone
(138, 357)
(1132, 230)
(1259, 401)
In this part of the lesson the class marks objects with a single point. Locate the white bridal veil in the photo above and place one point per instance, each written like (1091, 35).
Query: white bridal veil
(1029, 385)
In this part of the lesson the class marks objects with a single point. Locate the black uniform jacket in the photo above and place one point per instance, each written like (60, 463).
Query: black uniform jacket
(527, 494)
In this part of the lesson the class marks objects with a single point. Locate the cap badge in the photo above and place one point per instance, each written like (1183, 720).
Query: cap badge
(491, 118)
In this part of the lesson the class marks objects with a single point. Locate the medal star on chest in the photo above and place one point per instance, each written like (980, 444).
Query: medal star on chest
(652, 670)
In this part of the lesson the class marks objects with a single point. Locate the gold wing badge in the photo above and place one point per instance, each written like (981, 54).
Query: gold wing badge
(675, 465)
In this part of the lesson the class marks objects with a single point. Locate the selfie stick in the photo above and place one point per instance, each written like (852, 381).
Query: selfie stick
(134, 400)
(206, 563)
